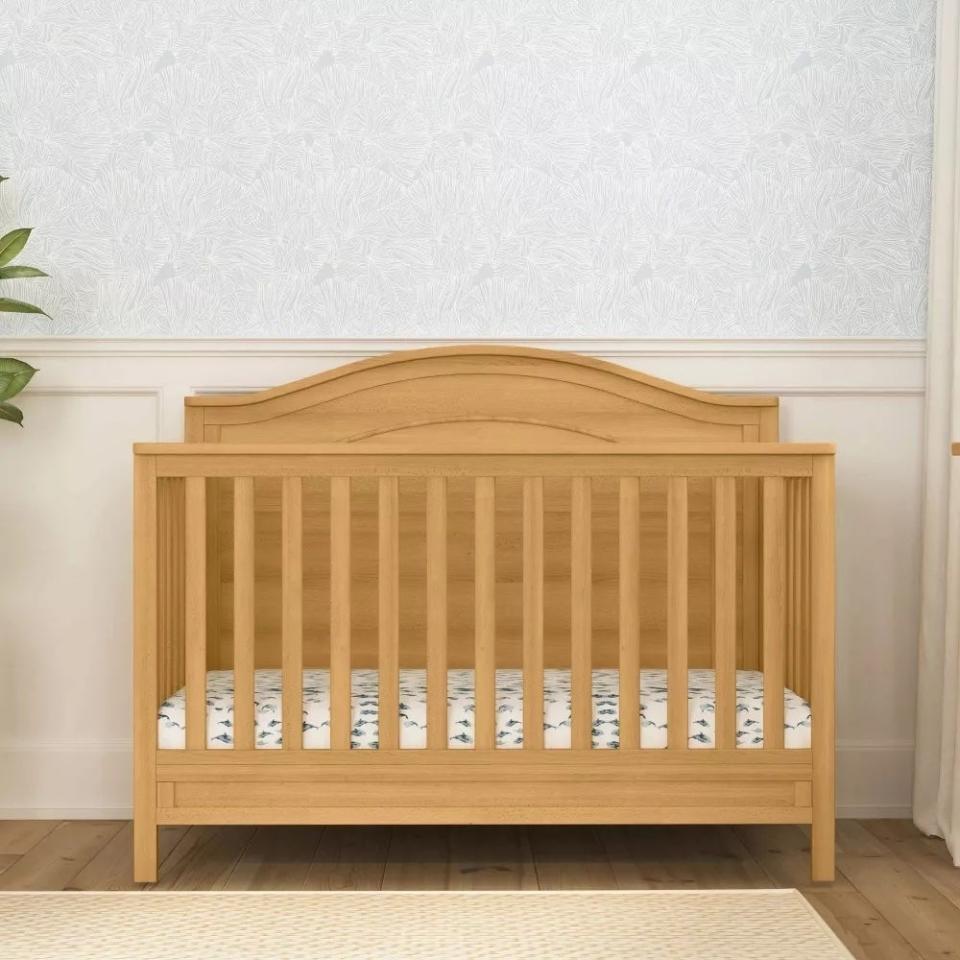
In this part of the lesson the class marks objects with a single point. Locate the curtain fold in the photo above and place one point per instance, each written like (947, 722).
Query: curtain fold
(936, 798)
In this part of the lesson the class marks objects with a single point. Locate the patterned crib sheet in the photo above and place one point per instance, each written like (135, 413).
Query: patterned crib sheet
(413, 710)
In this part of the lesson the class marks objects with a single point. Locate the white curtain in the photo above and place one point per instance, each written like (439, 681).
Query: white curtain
(936, 798)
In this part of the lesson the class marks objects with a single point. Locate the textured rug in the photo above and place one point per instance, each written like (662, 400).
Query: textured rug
(652, 925)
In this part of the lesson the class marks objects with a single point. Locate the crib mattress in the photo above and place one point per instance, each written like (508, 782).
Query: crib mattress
(413, 710)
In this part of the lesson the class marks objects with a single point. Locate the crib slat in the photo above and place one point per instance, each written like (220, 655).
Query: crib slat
(725, 611)
(389, 615)
(629, 529)
(533, 613)
(195, 606)
(340, 718)
(436, 613)
(774, 609)
(292, 605)
(677, 657)
(485, 737)
(243, 614)
(581, 620)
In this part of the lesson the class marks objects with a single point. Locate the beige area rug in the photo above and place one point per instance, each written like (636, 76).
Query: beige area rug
(642, 925)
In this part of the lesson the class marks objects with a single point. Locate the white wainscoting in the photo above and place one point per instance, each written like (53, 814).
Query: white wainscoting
(65, 521)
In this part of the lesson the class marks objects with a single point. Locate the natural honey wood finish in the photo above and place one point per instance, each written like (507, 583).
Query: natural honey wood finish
(725, 611)
(195, 607)
(145, 668)
(629, 661)
(822, 666)
(484, 507)
(436, 523)
(533, 613)
(774, 599)
(485, 614)
(171, 580)
(677, 613)
(340, 580)
(244, 579)
(389, 658)
(581, 618)
(292, 595)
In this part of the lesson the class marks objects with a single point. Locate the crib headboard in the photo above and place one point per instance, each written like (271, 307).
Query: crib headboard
(463, 397)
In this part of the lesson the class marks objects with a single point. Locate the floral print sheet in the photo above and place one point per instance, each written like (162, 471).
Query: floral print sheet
(413, 710)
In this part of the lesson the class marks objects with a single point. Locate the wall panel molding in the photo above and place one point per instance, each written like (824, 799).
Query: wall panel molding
(600, 347)
(866, 395)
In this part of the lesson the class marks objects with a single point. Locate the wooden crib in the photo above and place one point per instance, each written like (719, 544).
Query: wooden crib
(483, 507)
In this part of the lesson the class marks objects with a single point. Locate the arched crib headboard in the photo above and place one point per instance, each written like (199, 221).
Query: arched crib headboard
(475, 397)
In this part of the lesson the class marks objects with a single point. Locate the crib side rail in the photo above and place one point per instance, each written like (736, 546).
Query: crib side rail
(796, 493)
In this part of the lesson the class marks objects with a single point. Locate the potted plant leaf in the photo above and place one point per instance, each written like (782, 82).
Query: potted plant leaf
(14, 374)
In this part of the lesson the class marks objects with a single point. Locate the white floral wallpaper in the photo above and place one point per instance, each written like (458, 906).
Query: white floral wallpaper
(680, 168)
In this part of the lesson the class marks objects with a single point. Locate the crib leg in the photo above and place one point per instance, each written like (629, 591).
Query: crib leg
(823, 847)
(144, 850)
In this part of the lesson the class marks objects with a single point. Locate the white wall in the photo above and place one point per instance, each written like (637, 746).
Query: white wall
(497, 168)
(65, 661)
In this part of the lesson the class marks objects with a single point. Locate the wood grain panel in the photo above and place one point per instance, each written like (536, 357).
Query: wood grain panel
(513, 396)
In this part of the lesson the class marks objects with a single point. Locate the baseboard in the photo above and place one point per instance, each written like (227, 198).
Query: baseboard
(74, 779)
(874, 778)
(66, 813)
(874, 812)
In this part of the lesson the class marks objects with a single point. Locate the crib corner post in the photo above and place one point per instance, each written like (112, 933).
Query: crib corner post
(823, 670)
(145, 660)
(145, 842)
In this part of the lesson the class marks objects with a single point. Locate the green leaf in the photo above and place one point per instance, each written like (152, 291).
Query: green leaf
(12, 243)
(3, 178)
(14, 376)
(9, 412)
(16, 273)
(7, 305)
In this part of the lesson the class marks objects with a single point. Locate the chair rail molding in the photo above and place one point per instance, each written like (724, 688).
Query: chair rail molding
(369, 347)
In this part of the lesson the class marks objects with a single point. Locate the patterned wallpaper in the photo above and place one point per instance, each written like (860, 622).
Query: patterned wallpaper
(676, 168)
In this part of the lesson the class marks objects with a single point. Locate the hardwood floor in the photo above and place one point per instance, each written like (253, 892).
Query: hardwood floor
(897, 894)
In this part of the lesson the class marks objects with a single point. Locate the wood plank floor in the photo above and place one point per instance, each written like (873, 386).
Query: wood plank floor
(897, 894)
